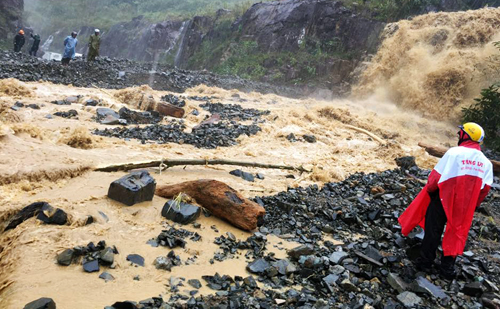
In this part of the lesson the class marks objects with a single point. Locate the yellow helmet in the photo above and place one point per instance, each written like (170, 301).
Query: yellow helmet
(475, 132)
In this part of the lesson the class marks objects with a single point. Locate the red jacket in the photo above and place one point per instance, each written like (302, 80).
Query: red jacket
(464, 177)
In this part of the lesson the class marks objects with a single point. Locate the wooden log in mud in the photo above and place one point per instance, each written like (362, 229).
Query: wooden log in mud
(221, 200)
(438, 151)
(166, 163)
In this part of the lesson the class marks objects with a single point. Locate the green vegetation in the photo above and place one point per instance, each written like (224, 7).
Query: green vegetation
(229, 53)
(486, 112)
(486, 109)
(105, 13)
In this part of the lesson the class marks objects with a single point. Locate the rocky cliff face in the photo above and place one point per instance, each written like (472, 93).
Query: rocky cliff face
(141, 40)
(287, 25)
(11, 12)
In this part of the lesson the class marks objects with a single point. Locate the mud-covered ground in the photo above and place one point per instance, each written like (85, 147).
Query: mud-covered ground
(51, 158)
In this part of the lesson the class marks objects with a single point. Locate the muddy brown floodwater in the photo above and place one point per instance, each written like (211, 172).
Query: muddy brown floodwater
(37, 164)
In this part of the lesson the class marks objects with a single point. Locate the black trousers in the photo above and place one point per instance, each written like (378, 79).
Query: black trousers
(435, 220)
(33, 52)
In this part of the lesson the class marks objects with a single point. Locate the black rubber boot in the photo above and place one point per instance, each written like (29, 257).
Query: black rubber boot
(447, 268)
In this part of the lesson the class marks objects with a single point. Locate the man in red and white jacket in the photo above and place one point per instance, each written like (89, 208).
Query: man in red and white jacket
(455, 188)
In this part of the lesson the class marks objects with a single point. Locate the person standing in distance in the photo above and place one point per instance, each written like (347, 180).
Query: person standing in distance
(69, 48)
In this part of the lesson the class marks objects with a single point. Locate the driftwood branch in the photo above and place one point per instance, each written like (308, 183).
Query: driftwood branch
(370, 134)
(438, 151)
(179, 162)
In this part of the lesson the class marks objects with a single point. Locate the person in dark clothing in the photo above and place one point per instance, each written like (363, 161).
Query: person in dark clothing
(36, 44)
(19, 41)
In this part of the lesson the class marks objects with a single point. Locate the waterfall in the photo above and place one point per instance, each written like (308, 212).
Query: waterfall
(181, 44)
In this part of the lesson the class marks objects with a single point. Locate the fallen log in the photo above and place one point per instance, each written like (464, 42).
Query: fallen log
(370, 134)
(179, 162)
(438, 151)
(221, 200)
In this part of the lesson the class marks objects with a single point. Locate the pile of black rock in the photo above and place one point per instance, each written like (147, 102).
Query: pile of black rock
(174, 100)
(234, 111)
(122, 73)
(174, 238)
(209, 136)
(352, 254)
(93, 256)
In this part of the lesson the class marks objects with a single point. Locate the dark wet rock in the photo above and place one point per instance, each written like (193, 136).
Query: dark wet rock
(244, 175)
(309, 138)
(65, 258)
(41, 303)
(91, 102)
(103, 112)
(291, 137)
(106, 276)
(406, 163)
(422, 285)
(347, 285)
(136, 259)
(51, 215)
(89, 220)
(107, 256)
(24, 214)
(174, 238)
(69, 114)
(133, 188)
(91, 266)
(475, 288)
(409, 299)
(167, 262)
(195, 283)
(180, 212)
(338, 256)
(61, 102)
(397, 283)
(124, 305)
(33, 106)
(258, 266)
(134, 117)
(295, 253)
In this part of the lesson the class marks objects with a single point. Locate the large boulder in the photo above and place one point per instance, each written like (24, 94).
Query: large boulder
(133, 188)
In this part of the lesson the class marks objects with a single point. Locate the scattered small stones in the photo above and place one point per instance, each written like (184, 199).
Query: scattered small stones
(69, 114)
(61, 102)
(133, 188)
(93, 256)
(174, 238)
(229, 246)
(180, 212)
(41, 303)
(136, 259)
